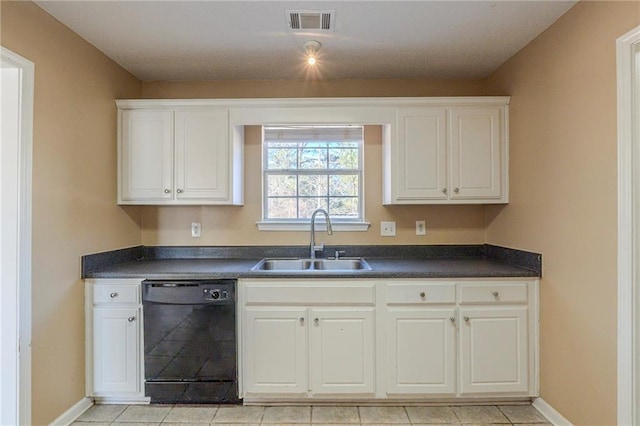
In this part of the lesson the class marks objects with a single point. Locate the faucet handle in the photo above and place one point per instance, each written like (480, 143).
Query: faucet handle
(339, 253)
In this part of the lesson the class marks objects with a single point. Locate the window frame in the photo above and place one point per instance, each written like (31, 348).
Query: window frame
(296, 224)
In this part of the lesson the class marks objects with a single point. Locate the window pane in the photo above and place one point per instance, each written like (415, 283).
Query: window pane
(282, 158)
(343, 144)
(343, 185)
(343, 207)
(313, 158)
(343, 159)
(313, 185)
(281, 208)
(307, 206)
(281, 185)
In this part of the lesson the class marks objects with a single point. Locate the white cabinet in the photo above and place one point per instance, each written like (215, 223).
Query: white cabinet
(341, 351)
(496, 337)
(178, 156)
(421, 338)
(310, 338)
(114, 340)
(448, 155)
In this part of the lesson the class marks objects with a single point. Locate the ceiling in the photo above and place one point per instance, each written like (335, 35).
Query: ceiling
(251, 40)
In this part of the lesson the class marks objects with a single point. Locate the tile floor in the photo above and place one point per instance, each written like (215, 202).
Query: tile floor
(183, 415)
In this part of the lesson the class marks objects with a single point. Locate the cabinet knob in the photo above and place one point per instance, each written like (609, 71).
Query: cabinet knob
(179, 191)
(444, 190)
(465, 318)
(166, 191)
(456, 190)
(452, 319)
(131, 319)
(113, 295)
(495, 294)
(301, 320)
(423, 294)
(316, 321)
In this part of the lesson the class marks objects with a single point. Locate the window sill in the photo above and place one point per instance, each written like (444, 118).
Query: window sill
(306, 226)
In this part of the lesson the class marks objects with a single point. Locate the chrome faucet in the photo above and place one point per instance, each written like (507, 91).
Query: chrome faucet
(313, 247)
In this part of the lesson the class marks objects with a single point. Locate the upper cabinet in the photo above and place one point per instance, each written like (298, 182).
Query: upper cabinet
(178, 156)
(448, 154)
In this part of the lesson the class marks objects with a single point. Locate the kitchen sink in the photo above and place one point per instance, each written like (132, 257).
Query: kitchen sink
(312, 265)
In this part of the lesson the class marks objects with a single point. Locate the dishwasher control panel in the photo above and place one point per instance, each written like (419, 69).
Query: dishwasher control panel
(215, 294)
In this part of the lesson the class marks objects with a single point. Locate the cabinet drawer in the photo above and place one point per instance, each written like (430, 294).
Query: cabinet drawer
(502, 292)
(421, 293)
(116, 293)
(344, 294)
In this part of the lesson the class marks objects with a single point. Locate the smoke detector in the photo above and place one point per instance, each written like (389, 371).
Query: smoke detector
(311, 20)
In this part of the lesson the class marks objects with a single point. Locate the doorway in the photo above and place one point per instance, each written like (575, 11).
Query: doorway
(16, 116)
(628, 67)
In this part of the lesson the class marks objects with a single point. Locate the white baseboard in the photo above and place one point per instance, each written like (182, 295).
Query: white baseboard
(550, 413)
(73, 413)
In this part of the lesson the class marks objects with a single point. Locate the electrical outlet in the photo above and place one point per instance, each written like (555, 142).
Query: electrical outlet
(196, 229)
(421, 227)
(388, 229)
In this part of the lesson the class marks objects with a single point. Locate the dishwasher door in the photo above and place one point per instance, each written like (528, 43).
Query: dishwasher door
(190, 341)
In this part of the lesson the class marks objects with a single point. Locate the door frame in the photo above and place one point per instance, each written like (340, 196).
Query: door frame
(19, 289)
(628, 70)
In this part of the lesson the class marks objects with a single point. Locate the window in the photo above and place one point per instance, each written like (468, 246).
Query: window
(311, 167)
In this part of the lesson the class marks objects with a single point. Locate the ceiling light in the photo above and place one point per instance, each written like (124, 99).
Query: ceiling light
(311, 48)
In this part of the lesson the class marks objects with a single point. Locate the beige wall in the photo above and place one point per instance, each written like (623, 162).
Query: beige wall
(563, 198)
(236, 225)
(74, 191)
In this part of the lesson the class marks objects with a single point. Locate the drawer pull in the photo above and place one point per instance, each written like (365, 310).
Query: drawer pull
(301, 320)
(423, 294)
(452, 319)
(131, 319)
(465, 318)
(113, 295)
(316, 321)
(495, 294)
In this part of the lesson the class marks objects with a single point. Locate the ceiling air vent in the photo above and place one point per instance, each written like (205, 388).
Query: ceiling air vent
(314, 20)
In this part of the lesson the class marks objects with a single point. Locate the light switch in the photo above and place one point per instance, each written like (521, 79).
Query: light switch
(196, 229)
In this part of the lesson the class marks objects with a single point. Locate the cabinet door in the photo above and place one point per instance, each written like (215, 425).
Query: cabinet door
(421, 351)
(420, 166)
(494, 350)
(342, 350)
(202, 155)
(475, 163)
(116, 350)
(146, 156)
(275, 350)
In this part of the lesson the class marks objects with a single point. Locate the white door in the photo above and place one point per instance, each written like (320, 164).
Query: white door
(420, 168)
(116, 341)
(475, 164)
(146, 156)
(202, 155)
(342, 350)
(421, 351)
(275, 350)
(494, 350)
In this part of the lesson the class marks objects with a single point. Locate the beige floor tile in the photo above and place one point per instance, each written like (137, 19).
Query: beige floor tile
(102, 413)
(335, 424)
(522, 414)
(90, 423)
(432, 415)
(480, 414)
(191, 414)
(335, 415)
(383, 415)
(135, 424)
(293, 415)
(238, 414)
(533, 424)
(144, 413)
(236, 424)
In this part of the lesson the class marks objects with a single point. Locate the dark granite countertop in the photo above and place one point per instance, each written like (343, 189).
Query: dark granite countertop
(477, 261)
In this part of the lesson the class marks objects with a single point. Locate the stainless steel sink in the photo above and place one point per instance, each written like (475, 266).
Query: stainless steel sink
(312, 265)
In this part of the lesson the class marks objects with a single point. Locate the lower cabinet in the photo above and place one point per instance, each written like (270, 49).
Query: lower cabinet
(406, 339)
(312, 350)
(114, 340)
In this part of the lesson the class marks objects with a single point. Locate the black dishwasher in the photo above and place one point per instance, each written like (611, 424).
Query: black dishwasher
(190, 341)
